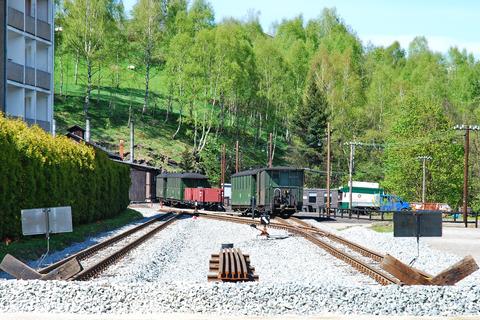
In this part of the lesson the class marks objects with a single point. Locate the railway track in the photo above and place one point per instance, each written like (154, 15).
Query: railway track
(376, 256)
(330, 244)
(99, 257)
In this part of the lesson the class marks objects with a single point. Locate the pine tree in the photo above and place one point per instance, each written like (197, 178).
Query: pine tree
(311, 122)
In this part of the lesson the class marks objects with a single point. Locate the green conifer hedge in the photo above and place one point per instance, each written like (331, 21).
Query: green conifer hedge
(38, 170)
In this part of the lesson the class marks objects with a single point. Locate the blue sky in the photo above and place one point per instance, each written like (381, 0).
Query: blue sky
(444, 23)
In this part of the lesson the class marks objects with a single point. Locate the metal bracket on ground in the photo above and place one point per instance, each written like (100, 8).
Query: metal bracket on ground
(412, 276)
(22, 271)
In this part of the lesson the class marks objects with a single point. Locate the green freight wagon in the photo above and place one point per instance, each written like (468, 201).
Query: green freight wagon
(171, 186)
(276, 190)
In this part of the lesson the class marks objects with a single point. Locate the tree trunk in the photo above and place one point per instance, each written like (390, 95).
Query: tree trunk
(274, 143)
(117, 74)
(99, 79)
(89, 88)
(195, 135)
(181, 111)
(190, 110)
(61, 75)
(179, 123)
(77, 57)
(259, 127)
(169, 105)
(147, 82)
(222, 116)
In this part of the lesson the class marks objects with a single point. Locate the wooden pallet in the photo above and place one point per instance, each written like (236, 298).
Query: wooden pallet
(231, 265)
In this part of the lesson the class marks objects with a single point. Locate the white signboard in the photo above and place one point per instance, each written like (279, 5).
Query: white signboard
(46, 220)
(34, 222)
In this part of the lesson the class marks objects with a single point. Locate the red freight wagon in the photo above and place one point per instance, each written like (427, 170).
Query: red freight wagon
(188, 195)
(198, 195)
(208, 198)
(213, 195)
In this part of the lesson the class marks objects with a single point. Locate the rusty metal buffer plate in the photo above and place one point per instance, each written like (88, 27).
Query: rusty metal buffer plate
(417, 224)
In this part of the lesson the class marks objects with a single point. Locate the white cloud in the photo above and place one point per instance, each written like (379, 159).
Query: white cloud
(435, 43)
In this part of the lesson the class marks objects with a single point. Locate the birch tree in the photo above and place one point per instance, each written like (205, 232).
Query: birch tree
(88, 25)
(147, 27)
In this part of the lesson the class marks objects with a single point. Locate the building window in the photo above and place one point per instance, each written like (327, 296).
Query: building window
(29, 8)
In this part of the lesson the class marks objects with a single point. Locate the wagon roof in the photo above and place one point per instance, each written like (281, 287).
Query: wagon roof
(185, 175)
(252, 172)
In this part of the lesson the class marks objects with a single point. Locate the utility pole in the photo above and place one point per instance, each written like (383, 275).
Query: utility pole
(352, 145)
(223, 163)
(237, 164)
(270, 151)
(467, 129)
(350, 175)
(132, 140)
(424, 160)
(328, 169)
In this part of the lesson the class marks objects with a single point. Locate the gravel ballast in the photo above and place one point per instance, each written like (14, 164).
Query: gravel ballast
(405, 249)
(168, 274)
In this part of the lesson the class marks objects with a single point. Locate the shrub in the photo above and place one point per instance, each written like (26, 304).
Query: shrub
(38, 170)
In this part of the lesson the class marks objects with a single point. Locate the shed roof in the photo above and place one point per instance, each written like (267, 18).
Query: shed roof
(110, 154)
(138, 166)
(252, 172)
(75, 128)
(185, 175)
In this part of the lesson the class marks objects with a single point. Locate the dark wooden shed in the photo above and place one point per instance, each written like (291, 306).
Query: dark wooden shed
(143, 179)
(77, 130)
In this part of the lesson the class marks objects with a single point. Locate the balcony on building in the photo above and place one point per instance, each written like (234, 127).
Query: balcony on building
(30, 16)
(30, 24)
(15, 97)
(43, 66)
(30, 61)
(43, 79)
(14, 71)
(15, 14)
(15, 56)
(42, 112)
(44, 25)
(30, 112)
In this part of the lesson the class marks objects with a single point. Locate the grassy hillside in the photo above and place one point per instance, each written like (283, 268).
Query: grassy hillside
(109, 113)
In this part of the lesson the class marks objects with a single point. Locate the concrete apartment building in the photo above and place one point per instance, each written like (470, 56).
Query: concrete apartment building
(26, 60)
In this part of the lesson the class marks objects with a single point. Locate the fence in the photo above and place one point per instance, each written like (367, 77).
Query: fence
(377, 215)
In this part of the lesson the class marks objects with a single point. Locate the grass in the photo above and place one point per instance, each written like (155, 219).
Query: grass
(31, 248)
(382, 227)
(109, 114)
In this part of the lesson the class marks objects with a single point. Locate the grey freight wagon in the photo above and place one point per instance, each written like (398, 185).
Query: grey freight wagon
(315, 199)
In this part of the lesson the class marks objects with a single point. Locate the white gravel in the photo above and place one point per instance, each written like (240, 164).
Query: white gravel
(168, 274)
(88, 242)
(182, 253)
(231, 299)
(430, 260)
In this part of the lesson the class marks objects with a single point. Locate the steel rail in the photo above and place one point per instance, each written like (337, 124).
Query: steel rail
(309, 234)
(103, 264)
(376, 256)
(88, 252)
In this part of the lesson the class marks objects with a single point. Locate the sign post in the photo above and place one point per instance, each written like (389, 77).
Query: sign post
(417, 224)
(46, 221)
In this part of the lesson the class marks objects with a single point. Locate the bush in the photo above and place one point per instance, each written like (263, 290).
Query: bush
(38, 170)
